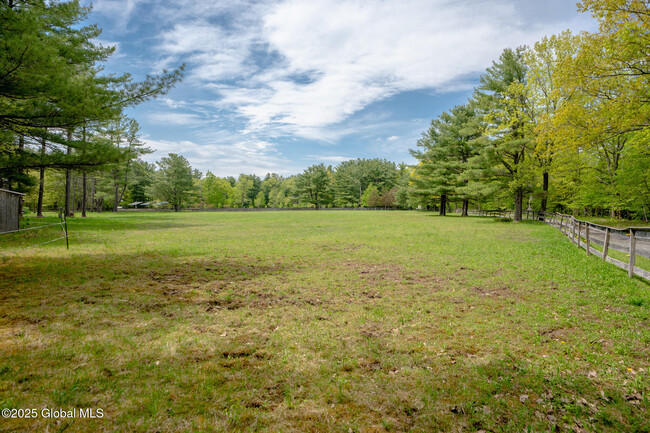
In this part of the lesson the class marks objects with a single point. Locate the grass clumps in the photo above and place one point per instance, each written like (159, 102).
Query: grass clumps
(321, 321)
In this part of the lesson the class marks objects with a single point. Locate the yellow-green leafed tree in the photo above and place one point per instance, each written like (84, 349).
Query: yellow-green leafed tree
(602, 90)
(606, 83)
(544, 84)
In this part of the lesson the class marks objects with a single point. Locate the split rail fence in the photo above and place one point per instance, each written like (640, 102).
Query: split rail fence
(632, 241)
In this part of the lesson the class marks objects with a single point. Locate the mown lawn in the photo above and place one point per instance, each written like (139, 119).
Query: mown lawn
(332, 321)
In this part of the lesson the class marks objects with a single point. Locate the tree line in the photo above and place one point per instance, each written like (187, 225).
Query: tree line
(172, 182)
(562, 125)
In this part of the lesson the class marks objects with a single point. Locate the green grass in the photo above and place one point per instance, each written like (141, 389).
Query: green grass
(332, 321)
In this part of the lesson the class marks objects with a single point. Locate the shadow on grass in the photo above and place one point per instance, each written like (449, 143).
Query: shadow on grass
(80, 228)
(43, 278)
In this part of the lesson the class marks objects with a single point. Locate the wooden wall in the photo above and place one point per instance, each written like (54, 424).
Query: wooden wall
(9, 211)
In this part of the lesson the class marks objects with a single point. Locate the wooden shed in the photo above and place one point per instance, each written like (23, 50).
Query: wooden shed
(10, 210)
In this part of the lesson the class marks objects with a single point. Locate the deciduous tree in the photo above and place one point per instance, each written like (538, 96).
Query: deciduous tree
(314, 185)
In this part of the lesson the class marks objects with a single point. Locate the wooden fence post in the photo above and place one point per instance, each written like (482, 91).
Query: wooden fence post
(579, 231)
(562, 224)
(630, 272)
(606, 243)
(587, 238)
(573, 229)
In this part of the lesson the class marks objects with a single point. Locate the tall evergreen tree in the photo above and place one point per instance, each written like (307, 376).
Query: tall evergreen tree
(447, 146)
(502, 96)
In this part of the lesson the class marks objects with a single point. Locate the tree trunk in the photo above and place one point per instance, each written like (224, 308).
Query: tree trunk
(465, 211)
(93, 204)
(73, 202)
(519, 199)
(443, 205)
(544, 191)
(84, 188)
(21, 147)
(68, 182)
(41, 184)
(115, 196)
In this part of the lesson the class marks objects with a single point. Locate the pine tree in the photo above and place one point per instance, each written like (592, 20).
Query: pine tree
(502, 96)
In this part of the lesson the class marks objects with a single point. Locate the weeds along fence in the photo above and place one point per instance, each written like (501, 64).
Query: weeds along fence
(63, 224)
(632, 241)
(527, 215)
(596, 239)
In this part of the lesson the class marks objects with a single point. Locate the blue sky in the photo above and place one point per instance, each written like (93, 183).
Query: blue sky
(276, 86)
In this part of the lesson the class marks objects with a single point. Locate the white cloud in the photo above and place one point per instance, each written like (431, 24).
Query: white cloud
(299, 67)
(332, 159)
(244, 156)
(120, 10)
(213, 53)
(174, 119)
(357, 52)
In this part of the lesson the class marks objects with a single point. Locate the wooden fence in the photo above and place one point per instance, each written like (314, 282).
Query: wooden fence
(632, 241)
(527, 214)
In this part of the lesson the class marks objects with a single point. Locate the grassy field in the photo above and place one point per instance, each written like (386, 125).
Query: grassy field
(326, 321)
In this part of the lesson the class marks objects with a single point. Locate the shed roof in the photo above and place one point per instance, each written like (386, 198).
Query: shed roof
(11, 192)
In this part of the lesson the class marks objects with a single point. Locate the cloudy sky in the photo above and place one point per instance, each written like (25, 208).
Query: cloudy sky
(275, 86)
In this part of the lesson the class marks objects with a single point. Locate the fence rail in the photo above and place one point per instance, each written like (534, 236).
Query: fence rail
(633, 241)
(64, 228)
(528, 214)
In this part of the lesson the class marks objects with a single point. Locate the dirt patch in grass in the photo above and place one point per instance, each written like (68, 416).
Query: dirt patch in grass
(495, 292)
(205, 271)
(560, 335)
(388, 273)
(339, 247)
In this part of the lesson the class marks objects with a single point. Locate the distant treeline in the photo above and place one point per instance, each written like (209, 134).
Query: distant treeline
(354, 183)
